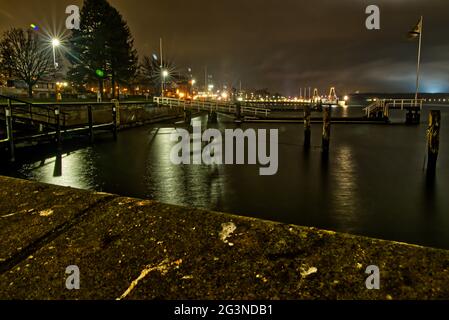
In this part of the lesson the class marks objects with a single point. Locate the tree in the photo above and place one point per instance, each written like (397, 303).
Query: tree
(4, 72)
(25, 56)
(102, 47)
(151, 72)
(5, 62)
(123, 59)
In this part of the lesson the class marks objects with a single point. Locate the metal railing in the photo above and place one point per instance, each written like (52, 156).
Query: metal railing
(46, 114)
(52, 117)
(402, 103)
(206, 105)
(371, 108)
(385, 105)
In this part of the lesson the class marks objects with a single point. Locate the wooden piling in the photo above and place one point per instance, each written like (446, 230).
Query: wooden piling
(238, 112)
(117, 111)
(57, 171)
(58, 127)
(433, 140)
(187, 117)
(213, 117)
(114, 121)
(326, 129)
(413, 117)
(307, 126)
(9, 131)
(417, 116)
(91, 123)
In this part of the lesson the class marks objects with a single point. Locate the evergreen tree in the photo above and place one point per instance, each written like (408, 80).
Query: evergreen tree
(123, 61)
(102, 48)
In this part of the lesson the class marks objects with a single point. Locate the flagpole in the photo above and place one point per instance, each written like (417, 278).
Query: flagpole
(162, 68)
(419, 60)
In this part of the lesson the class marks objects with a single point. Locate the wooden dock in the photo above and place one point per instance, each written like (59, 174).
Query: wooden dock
(28, 123)
(381, 109)
(31, 122)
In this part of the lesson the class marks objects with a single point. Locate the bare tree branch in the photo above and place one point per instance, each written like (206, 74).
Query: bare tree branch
(23, 54)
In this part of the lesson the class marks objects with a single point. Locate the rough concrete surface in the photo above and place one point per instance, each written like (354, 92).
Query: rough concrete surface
(133, 249)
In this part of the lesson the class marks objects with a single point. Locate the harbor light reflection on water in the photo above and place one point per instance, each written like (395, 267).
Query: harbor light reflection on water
(372, 183)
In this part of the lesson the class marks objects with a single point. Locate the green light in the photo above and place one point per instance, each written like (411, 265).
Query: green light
(100, 73)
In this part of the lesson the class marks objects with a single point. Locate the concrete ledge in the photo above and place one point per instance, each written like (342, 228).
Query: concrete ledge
(138, 249)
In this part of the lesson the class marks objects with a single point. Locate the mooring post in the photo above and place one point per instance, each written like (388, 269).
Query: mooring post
(413, 116)
(58, 127)
(9, 131)
(307, 125)
(433, 140)
(326, 129)
(187, 117)
(117, 111)
(417, 116)
(213, 117)
(114, 121)
(238, 112)
(91, 123)
(409, 119)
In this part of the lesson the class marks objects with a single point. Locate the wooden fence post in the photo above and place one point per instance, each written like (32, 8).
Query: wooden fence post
(188, 117)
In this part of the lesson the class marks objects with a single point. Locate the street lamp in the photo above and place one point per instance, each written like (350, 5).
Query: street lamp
(192, 87)
(165, 74)
(55, 43)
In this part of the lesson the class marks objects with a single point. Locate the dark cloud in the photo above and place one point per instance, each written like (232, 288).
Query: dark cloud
(280, 44)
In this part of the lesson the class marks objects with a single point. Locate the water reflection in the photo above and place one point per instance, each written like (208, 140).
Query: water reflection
(70, 170)
(196, 185)
(344, 199)
(372, 183)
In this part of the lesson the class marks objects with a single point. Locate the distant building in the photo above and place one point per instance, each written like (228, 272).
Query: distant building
(18, 88)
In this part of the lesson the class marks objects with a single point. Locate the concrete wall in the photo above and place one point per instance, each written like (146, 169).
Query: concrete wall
(137, 249)
(129, 113)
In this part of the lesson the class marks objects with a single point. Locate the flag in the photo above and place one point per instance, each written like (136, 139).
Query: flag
(416, 31)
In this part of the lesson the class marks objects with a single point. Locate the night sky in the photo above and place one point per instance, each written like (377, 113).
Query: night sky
(278, 44)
